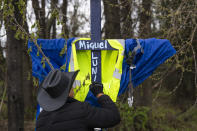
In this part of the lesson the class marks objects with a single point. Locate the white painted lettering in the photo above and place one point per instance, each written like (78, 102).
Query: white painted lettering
(105, 44)
(94, 62)
(101, 45)
(82, 44)
(94, 70)
(92, 45)
(93, 56)
(94, 77)
(88, 46)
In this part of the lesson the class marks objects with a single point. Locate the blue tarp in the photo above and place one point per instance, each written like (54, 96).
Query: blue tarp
(156, 51)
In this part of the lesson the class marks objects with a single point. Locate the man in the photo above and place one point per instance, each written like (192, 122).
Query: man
(63, 113)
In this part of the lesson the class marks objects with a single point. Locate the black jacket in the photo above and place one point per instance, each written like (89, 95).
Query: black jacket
(79, 116)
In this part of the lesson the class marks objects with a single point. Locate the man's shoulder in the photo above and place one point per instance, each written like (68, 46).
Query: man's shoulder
(71, 106)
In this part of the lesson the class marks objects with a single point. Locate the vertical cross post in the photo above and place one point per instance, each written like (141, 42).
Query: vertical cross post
(95, 12)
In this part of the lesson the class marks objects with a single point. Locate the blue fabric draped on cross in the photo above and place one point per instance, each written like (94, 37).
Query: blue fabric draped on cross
(156, 51)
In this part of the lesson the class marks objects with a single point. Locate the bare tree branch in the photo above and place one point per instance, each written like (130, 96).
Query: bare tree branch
(35, 42)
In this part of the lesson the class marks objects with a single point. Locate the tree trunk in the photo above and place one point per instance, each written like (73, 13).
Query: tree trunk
(54, 30)
(51, 22)
(143, 95)
(28, 86)
(14, 75)
(2, 64)
(42, 20)
(143, 98)
(14, 82)
(64, 26)
(2, 72)
(74, 20)
(112, 19)
(145, 19)
(27, 81)
(126, 20)
(40, 17)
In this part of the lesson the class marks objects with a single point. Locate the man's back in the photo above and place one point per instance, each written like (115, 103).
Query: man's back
(79, 116)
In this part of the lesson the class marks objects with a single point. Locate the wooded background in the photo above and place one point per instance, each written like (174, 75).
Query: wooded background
(166, 101)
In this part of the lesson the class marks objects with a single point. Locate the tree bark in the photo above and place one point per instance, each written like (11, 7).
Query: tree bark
(74, 20)
(27, 80)
(2, 64)
(40, 16)
(145, 19)
(42, 20)
(143, 95)
(64, 12)
(51, 22)
(54, 30)
(27, 85)
(145, 99)
(14, 78)
(126, 20)
(112, 19)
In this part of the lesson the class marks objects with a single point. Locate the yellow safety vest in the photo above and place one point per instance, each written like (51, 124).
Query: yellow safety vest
(111, 68)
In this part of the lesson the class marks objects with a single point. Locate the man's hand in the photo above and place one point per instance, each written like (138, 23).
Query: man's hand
(97, 89)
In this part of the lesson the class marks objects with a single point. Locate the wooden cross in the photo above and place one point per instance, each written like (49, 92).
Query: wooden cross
(95, 44)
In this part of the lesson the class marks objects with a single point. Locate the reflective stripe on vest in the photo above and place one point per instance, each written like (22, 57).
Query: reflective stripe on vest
(71, 62)
(76, 83)
(138, 47)
(116, 74)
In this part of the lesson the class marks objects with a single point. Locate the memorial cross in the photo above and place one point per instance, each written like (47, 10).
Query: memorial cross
(95, 44)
